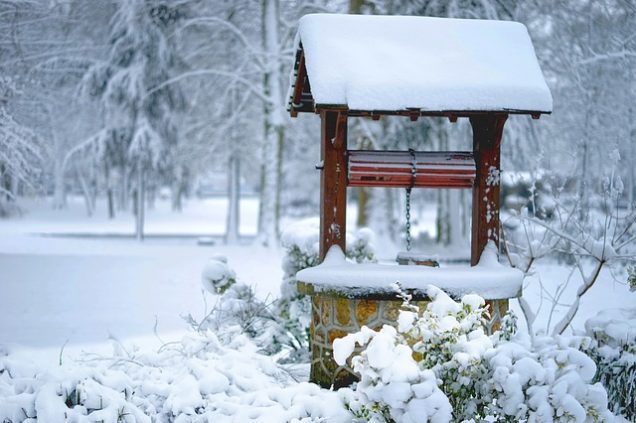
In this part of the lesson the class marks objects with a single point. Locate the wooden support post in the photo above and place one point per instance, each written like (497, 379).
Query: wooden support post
(487, 130)
(333, 181)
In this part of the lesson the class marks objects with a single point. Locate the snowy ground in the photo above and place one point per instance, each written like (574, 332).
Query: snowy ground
(81, 289)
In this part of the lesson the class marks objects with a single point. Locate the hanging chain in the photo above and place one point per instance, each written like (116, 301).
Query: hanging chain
(408, 219)
(408, 198)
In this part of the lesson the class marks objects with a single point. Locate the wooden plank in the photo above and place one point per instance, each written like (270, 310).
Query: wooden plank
(333, 181)
(438, 169)
(487, 131)
(450, 114)
(300, 80)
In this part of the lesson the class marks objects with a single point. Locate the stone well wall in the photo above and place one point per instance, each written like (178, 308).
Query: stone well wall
(335, 316)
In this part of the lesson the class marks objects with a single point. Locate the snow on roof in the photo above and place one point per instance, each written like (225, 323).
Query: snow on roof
(395, 63)
(489, 279)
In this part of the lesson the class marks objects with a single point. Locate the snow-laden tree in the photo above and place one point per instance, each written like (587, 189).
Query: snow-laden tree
(588, 53)
(137, 103)
(45, 49)
(223, 125)
(240, 55)
(19, 151)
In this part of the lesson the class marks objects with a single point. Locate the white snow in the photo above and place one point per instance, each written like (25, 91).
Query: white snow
(195, 379)
(74, 292)
(83, 289)
(216, 275)
(617, 326)
(489, 279)
(435, 64)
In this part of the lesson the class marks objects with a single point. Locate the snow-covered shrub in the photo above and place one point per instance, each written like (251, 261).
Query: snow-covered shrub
(549, 380)
(239, 312)
(591, 236)
(197, 379)
(301, 243)
(217, 276)
(613, 348)
(56, 395)
(631, 278)
(440, 361)
(392, 386)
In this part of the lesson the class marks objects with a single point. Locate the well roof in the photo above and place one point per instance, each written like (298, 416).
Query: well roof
(413, 64)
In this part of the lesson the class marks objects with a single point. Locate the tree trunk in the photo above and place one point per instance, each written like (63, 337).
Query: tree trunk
(123, 188)
(363, 202)
(141, 188)
(631, 157)
(442, 217)
(59, 186)
(280, 133)
(176, 191)
(110, 202)
(273, 127)
(455, 235)
(86, 191)
(109, 193)
(234, 195)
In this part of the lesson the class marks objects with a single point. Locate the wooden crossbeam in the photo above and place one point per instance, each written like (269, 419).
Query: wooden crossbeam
(438, 169)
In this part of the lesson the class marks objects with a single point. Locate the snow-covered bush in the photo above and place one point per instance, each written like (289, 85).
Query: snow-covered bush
(613, 348)
(589, 237)
(197, 379)
(631, 278)
(549, 380)
(301, 243)
(217, 276)
(237, 311)
(392, 386)
(439, 361)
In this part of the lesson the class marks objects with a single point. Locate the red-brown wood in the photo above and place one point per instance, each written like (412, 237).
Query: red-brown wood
(438, 169)
(333, 181)
(300, 77)
(487, 131)
(298, 87)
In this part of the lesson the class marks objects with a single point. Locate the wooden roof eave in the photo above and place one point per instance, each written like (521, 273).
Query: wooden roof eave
(301, 101)
(451, 114)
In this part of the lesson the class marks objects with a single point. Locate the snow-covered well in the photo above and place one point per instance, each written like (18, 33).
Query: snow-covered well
(348, 296)
(370, 66)
(488, 279)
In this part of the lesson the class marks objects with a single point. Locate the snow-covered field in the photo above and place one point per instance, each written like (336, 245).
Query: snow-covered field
(82, 292)
(82, 288)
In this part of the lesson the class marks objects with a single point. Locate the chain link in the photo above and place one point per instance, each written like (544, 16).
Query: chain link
(408, 219)
(408, 198)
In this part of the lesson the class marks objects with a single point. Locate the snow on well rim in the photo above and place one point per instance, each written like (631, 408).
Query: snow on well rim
(435, 64)
(488, 279)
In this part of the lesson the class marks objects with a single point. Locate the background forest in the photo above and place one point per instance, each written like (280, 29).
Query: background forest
(129, 100)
